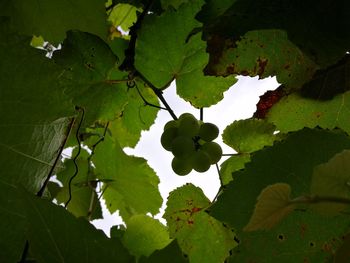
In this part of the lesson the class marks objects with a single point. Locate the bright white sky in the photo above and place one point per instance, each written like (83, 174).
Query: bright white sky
(239, 103)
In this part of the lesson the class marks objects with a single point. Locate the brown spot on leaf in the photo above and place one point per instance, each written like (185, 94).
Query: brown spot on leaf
(267, 101)
(190, 222)
(262, 63)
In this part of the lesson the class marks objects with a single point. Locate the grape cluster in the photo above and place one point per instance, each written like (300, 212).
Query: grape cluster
(191, 143)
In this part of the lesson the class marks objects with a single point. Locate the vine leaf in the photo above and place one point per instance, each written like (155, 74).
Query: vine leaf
(265, 53)
(123, 15)
(31, 132)
(126, 172)
(165, 50)
(144, 235)
(249, 135)
(332, 179)
(40, 18)
(88, 63)
(273, 204)
(234, 163)
(136, 116)
(51, 223)
(200, 236)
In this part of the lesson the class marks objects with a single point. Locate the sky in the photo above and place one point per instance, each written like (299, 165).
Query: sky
(239, 103)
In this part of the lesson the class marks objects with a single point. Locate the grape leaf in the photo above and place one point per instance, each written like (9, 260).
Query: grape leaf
(290, 161)
(165, 50)
(171, 253)
(265, 53)
(272, 206)
(52, 19)
(126, 172)
(332, 179)
(136, 116)
(232, 164)
(123, 15)
(295, 112)
(88, 63)
(31, 130)
(144, 235)
(249, 135)
(324, 41)
(200, 236)
(67, 238)
(343, 253)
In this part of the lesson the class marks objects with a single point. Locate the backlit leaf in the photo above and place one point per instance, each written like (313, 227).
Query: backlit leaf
(272, 206)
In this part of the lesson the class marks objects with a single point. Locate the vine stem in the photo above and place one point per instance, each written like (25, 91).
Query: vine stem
(221, 184)
(43, 187)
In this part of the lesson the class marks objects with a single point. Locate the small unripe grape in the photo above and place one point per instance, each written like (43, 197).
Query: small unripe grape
(171, 124)
(208, 131)
(213, 150)
(188, 125)
(201, 161)
(181, 166)
(168, 137)
(182, 147)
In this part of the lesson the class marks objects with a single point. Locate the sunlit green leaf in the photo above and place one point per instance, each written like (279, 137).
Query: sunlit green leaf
(200, 236)
(123, 15)
(166, 50)
(126, 172)
(144, 235)
(232, 164)
(266, 53)
(88, 63)
(246, 136)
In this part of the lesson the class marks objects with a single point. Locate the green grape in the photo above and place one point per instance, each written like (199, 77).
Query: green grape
(213, 150)
(201, 161)
(168, 137)
(182, 147)
(181, 166)
(171, 124)
(208, 131)
(188, 125)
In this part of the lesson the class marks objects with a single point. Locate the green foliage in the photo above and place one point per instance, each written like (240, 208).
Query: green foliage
(286, 190)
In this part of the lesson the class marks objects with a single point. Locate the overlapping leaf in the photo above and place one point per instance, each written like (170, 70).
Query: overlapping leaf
(52, 19)
(265, 53)
(124, 173)
(88, 63)
(292, 162)
(123, 15)
(166, 50)
(200, 236)
(33, 110)
(232, 164)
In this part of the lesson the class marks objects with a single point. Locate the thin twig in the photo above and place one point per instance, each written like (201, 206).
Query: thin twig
(146, 102)
(229, 154)
(24, 253)
(43, 187)
(201, 114)
(116, 81)
(76, 156)
(221, 184)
